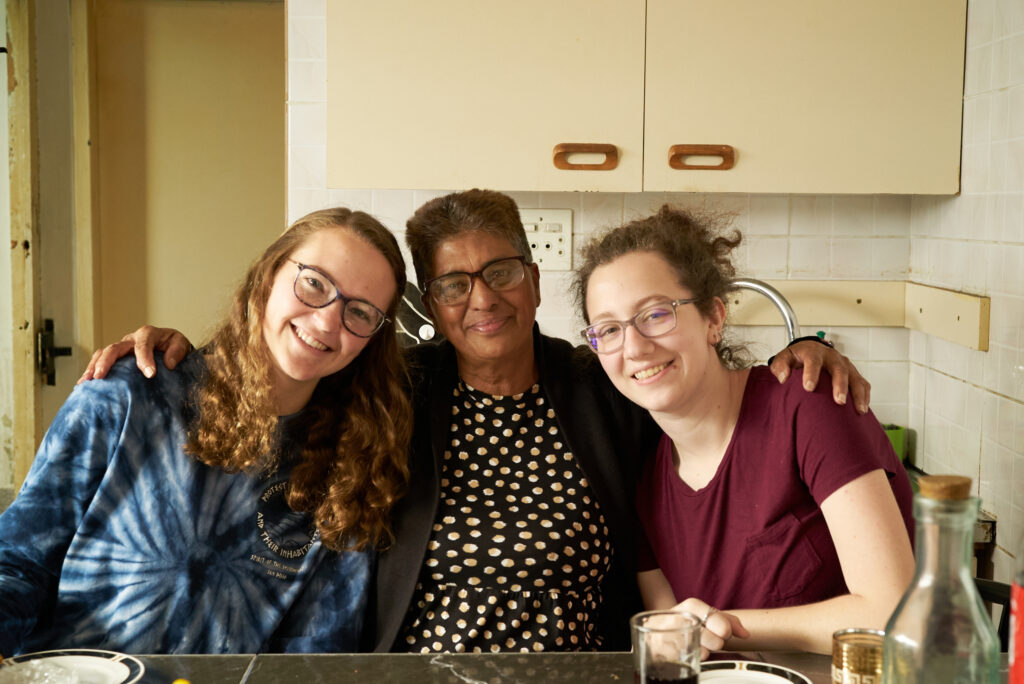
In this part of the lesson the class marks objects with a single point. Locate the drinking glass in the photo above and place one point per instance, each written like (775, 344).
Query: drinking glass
(666, 647)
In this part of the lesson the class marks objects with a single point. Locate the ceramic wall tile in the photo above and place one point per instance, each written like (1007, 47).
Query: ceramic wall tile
(1016, 59)
(1016, 114)
(307, 37)
(301, 201)
(766, 258)
(393, 208)
(811, 215)
(641, 204)
(306, 8)
(889, 258)
(307, 124)
(891, 216)
(356, 200)
(889, 344)
(980, 21)
(852, 215)
(307, 167)
(978, 69)
(1009, 17)
(769, 215)
(307, 81)
(809, 258)
(601, 212)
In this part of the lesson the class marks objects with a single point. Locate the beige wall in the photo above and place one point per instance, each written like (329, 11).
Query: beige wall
(191, 123)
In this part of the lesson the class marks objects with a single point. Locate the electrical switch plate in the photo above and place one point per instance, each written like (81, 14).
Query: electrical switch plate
(549, 232)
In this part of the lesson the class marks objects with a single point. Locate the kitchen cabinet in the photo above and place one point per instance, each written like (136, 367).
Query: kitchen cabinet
(792, 96)
(815, 96)
(476, 93)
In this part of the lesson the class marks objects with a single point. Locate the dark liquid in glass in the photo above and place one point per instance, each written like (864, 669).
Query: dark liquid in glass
(667, 675)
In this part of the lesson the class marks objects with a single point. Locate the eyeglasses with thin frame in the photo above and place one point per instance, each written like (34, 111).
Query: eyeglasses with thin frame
(606, 337)
(499, 275)
(315, 289)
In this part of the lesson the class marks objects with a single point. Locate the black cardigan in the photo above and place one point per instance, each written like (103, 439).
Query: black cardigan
(608, 435)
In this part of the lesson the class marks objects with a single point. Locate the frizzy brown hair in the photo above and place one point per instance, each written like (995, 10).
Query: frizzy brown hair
(353, 465)
(695, 247)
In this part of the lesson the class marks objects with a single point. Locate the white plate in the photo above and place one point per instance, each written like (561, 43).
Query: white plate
(91, 666)
(747, 671)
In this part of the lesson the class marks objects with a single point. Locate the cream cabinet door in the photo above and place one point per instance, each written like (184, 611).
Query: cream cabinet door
(815, 96)
(478, 93)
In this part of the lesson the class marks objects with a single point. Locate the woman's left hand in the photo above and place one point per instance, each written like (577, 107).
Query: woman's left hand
(813, 356)
(718, 628)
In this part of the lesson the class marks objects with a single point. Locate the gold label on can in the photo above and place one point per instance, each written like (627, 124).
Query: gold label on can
(840, 676)
(857, 656)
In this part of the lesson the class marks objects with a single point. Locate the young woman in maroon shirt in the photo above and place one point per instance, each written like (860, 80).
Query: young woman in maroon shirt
(777, 513)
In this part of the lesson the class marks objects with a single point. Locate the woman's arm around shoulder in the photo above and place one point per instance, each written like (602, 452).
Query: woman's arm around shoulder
(813, 356)
(143, 342)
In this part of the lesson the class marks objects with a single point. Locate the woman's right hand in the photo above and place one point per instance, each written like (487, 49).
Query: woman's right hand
(143, 342)
(719, 627)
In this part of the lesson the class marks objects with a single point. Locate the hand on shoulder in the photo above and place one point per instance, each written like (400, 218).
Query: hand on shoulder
(143, 342)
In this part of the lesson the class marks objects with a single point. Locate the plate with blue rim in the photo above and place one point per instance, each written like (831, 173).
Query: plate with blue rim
(748, 672)
(90, 665)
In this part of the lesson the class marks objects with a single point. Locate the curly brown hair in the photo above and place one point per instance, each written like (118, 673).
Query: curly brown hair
(695, 247)
(353, 465)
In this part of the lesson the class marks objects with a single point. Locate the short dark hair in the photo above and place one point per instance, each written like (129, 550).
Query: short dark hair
(484, 211)
(695, 248)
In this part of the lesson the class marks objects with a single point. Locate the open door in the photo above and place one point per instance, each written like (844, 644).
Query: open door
(50, 124)
(23, 293)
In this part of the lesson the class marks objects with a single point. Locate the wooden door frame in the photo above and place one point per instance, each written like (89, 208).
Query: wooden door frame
(24, 181)
(85, 174)
(24, 169)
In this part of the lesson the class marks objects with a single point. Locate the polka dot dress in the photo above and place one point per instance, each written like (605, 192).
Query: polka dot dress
(519, 547)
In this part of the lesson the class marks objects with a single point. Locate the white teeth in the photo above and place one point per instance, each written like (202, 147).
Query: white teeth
(649, 372)
(310, 341)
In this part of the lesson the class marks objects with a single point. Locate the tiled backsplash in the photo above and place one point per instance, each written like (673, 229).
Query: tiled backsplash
(966, 407)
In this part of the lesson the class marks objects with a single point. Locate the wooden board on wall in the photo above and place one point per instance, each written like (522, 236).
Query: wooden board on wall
(958, 317)
(825, 303)
(954, 316)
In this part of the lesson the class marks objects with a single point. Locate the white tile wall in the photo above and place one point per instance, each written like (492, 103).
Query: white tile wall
(966, 407)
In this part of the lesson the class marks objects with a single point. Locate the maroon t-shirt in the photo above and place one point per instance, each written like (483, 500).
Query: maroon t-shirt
(755, 536)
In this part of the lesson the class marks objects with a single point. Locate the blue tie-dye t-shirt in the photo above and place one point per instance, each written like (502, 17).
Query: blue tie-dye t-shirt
(119, 540)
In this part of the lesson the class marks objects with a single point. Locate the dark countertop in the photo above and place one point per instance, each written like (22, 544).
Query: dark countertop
(575, 668)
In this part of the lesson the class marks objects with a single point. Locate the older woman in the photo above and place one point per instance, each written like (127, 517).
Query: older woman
(517, 531)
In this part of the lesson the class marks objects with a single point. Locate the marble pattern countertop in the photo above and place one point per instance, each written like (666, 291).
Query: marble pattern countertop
(575, 668)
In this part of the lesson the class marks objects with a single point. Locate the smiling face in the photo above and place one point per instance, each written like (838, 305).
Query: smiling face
(307, 344)
(664, 374)
(490, 328)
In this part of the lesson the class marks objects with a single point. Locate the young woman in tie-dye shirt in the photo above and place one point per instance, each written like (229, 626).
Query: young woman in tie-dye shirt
(236, 506)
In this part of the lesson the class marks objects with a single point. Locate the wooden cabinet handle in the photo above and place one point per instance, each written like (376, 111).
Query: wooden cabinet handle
(563, 150)
(677, 155)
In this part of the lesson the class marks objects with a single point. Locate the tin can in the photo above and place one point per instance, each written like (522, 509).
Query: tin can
(857, 656)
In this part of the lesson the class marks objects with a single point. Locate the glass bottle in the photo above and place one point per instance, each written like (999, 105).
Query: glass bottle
(940, 633)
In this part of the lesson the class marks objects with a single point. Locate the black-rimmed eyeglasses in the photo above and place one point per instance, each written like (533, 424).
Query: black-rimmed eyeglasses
(315, 289)
(606, 337)
(499, 274)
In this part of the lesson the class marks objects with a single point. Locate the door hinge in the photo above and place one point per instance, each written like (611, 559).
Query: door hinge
(46, 352)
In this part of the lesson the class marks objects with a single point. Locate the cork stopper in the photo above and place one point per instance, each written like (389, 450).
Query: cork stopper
(945, 487)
